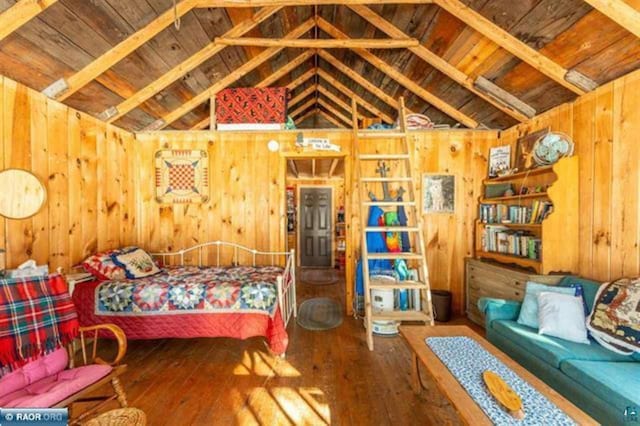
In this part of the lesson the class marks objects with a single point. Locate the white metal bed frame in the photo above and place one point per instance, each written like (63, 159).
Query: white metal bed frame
(286, 282)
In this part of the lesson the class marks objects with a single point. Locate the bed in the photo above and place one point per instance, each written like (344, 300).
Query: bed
(254, 296)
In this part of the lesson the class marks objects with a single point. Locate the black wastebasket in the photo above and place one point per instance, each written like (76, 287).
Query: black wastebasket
(441, 302)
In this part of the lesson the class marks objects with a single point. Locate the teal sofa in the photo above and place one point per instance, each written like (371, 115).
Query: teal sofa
(602, 383)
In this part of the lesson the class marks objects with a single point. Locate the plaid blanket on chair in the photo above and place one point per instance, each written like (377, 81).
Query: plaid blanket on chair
(37, 316)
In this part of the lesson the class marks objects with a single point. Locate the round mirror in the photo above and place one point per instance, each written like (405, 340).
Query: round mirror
(22, 195)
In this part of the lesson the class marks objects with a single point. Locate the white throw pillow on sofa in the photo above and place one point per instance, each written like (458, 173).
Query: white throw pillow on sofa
(562, 316)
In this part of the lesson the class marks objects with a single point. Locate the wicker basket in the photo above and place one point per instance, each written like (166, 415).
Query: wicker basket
(120, 417)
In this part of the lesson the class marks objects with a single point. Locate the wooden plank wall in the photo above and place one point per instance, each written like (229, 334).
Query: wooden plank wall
(248, 184)
(85, 166)
(246, 192)
(604, 125)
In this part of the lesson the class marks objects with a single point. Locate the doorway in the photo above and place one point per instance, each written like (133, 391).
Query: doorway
(317, 206)
(315, 235)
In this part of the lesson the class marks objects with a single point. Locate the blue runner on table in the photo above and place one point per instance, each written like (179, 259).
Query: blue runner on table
(466, 359)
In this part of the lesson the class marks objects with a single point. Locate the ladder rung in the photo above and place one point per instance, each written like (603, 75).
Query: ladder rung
(392, 229)
(386, 179)
(389, 255)
(383, 156)
(389, 203)
(396, 285)
(400, 316)
(384, 134)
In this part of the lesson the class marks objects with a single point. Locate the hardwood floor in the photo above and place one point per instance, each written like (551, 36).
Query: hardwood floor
(328, 377)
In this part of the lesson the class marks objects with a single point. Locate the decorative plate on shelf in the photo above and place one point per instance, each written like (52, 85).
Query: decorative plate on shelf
(551, 147)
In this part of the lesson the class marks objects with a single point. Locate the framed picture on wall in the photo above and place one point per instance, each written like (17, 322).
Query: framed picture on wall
(499, 160)
(438, 193)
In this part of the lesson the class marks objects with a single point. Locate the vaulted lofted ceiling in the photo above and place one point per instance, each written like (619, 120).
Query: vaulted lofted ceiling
(163, 76)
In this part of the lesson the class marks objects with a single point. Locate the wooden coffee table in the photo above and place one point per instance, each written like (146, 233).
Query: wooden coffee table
(466, 407)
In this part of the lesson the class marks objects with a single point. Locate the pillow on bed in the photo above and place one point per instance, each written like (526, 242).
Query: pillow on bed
(101, 266)
(136, 263)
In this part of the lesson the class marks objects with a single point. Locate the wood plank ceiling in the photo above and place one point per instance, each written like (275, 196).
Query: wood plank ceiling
(68, 35)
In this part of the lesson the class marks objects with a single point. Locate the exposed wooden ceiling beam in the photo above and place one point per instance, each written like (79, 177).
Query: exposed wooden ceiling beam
(21, 13)
(373, 89)
(401, 78)
(260, 3)
(301, 79)
(331, 119)
(437, 62)
(239, 72)
(326, 105)
(508, 42)
(336, 100)
(332, 168)
(371, 43)
(286, 69)
(202, 125)
(293, 167)
(117, 53)
(188, 65)
(619, 12)
(302, 108)
(302, 95)
(487, 86)
(344, 89)
(307, 115)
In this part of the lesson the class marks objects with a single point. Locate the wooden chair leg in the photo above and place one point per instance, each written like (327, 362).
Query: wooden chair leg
(120, 395)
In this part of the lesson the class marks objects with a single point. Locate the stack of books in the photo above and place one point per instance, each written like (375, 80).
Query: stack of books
(503, 213)
(500, 239)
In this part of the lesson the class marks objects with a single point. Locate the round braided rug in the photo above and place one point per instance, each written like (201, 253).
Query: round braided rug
(319, 314)
(319, 276)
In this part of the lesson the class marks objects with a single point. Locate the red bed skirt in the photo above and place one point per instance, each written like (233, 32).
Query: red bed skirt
(239, 326)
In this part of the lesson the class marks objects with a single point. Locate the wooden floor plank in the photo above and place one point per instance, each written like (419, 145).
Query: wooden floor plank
(327, 377)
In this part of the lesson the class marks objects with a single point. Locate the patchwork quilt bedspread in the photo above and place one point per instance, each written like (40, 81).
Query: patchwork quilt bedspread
(189, 289)
(189, 302)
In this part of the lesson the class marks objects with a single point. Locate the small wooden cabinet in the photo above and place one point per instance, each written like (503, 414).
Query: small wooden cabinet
(487, 279)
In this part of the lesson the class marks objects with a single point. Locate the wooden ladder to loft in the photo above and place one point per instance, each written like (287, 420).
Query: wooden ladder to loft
(418, 254)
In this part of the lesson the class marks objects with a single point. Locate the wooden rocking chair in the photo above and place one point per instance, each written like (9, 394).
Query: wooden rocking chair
(89, 336)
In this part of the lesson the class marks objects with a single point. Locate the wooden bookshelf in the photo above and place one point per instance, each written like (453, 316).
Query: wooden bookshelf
(558, 232)
(514, 225)
(515, 197)
(520, 175)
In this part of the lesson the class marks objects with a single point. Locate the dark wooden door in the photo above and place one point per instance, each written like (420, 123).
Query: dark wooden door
(315, 227)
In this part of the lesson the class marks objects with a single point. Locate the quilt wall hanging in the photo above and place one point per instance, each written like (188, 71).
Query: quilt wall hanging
(252, 105)
(182, 176)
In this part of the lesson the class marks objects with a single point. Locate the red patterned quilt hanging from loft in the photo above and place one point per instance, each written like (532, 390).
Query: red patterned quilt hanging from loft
(252, 105)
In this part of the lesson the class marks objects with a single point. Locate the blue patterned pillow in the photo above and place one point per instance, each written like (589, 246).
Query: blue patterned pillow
(529, 310)
(580, 294)
(136, 263)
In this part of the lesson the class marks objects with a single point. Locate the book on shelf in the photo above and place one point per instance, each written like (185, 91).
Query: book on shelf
(504, 213)
(500, 239)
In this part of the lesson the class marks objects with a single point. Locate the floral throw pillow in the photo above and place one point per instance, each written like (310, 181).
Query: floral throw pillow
(136, 263)
(101, 266)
